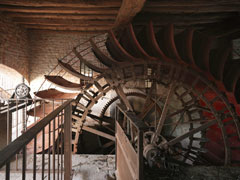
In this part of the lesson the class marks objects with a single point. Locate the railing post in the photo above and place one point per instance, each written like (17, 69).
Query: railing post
(68, 142)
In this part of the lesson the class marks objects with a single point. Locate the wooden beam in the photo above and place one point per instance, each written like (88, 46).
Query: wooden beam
(128, 10)
(68, 31)
(162, 17)
(67, 27)
(62, 16)
(60, 10)
(191, 9)
(68, 3)
(48, 21)
(99, 133)
(187, 3)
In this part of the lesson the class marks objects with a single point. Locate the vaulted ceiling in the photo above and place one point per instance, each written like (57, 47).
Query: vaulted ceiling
(101, 15)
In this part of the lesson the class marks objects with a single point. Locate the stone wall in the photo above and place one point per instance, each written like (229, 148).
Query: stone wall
(13, 46)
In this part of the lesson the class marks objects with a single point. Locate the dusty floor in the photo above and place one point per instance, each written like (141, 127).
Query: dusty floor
(84, 167)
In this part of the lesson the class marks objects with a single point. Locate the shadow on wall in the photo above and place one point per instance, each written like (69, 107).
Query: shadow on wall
(9, 79)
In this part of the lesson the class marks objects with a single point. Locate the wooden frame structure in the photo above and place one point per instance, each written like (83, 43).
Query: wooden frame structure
(129, 160)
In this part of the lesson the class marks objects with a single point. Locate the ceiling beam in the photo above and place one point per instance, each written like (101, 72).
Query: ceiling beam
(60, 10)
(63, 16)
(48, 21)
(68, 3)
(128, 10)
(182, 19)
(68, 31)
(67, 27)
(187, 3)
(192, 9)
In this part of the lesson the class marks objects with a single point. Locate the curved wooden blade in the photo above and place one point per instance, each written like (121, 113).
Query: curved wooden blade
(184, 45)
(153, 46)
(165, 39)
(116, 50)
(218, 59)
(107, 61)
(136, 48)
(231, 78)
(73, 72)
(63, 83)
(201, 50)
(91, 66)
(55, 94)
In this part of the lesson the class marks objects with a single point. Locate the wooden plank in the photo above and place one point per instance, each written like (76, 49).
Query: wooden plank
(57, 3)
(66, 27)
(127, 150)
(55, 21)
(60, 10)
(62, 16)
(128, 10)
(123, 172)
(99, 133)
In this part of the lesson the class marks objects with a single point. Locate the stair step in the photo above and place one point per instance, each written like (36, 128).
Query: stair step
(63, 83)
(55, 94)
(68, 68)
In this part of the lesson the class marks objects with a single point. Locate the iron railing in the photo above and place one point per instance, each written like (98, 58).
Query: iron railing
(53, 134)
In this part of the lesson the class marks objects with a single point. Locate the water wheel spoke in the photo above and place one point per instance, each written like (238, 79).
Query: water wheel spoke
(177, 123)
(191, 132)
(164, 111)
(123, 97)
(148, 103)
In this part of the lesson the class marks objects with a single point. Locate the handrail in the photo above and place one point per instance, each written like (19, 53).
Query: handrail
(14, 147)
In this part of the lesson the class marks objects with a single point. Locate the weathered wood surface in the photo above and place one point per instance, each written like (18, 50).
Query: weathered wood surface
(127, 11)
(63, 83)
(55, 94)
(126, 156)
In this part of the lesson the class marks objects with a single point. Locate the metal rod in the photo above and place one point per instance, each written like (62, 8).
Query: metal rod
(16, 131)
(58, 147)
(8, 123)
(43, 152)
(24, 163)
(34, 158)
(7, 175)
(62, 126)
(49, 145)
(34, 101)
(53, 149)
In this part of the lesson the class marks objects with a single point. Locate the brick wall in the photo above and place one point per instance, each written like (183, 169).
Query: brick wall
(13, 46)
(46, 47)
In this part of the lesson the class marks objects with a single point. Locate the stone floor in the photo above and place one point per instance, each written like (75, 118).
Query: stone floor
(84, 167)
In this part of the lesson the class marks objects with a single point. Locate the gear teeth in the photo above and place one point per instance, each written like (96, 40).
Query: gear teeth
(104, 109)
